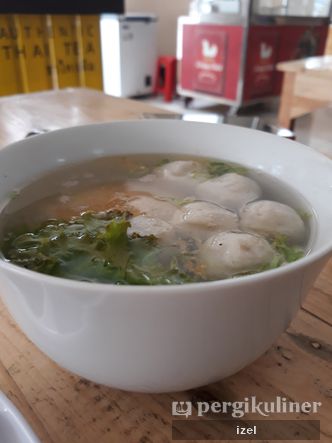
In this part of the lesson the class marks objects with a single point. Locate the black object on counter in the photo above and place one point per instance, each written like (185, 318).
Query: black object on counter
(61, 7)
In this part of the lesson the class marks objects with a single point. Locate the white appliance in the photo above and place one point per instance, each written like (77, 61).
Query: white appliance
(129, 54)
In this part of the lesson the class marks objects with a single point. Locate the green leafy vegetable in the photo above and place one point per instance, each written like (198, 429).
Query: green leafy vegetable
(305, 215)
(274, 263)
(290, 253)
(217, 168)
(96, 247)
(138, 171)
(13, 194)
(163, 162)
(177, 201)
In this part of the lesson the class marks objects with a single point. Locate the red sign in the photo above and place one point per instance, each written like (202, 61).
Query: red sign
(205, 65)
(262, 56)
(210, 60)
(288, 42)
(212, 56)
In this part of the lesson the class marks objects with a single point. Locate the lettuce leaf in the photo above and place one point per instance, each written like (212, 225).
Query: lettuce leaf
(289, 252)
(96, 247)
(217, 168)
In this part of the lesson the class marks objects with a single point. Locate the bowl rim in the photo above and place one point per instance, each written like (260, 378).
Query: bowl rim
(311, 257)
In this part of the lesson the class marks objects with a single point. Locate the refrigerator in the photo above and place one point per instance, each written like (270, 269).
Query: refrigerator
(129, 54)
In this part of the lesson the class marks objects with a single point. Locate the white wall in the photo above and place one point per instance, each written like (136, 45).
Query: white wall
(168, 11)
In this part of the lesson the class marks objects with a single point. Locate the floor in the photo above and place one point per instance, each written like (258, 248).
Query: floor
(314, 130)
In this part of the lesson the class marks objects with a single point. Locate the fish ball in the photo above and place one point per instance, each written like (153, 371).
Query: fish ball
(270, 218)
(179, 168)
(202, 218)
(145, 226)
(153, 207)
(230, 253)
(230, 190)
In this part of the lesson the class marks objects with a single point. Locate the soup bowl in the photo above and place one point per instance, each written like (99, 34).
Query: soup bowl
(164, 338)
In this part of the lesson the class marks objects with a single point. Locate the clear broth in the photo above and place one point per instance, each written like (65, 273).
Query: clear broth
(111, 183)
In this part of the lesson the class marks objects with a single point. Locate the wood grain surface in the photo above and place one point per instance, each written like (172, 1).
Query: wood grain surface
(19, 114)
(64, 408)
(306, 87)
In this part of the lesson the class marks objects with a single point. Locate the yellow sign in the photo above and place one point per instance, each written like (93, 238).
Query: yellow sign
(39, 52)
(66, 50)
(10, 50)
(92, 63)
(37, 61)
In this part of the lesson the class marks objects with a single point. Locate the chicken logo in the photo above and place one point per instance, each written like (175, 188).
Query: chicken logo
(266, 51)
(209, 50)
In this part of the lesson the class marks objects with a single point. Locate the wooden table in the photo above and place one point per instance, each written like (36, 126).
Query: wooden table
(328, 45)
(64, 408)
(307, 85)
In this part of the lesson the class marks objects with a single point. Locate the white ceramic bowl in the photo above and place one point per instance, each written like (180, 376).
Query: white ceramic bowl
(164, 338)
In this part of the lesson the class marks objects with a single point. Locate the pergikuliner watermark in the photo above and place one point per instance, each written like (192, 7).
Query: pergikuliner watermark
(249, 405)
